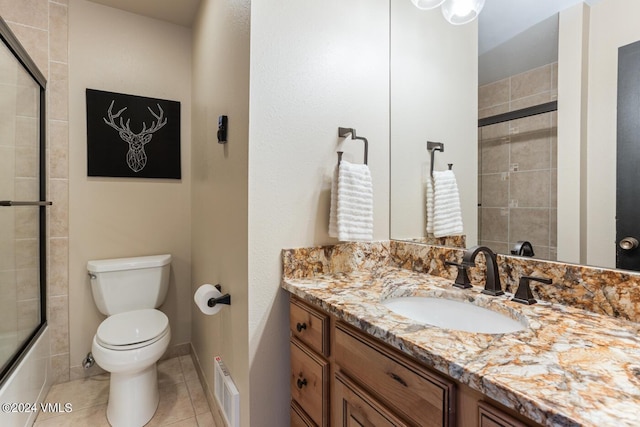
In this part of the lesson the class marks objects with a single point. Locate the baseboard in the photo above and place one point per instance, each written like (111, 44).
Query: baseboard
(216, 411)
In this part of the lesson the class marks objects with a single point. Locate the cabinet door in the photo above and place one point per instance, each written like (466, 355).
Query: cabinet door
(488, 416)
(356, 408)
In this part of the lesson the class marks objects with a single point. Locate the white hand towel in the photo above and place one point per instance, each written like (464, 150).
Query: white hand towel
(429, 185)
(333, 212)
(447, 215)
(353, 197)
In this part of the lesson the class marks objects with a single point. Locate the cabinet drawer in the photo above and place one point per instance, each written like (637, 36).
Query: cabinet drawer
(419, 396)
(356, 407)
(310, 382)
(299, 418)
(488, 416)
(309, 326)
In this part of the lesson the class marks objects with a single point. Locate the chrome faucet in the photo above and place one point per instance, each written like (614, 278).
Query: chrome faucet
(492, 283)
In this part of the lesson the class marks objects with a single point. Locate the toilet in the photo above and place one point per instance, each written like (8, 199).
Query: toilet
(134, 336)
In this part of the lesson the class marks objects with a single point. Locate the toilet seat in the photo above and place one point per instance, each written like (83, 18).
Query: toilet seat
(132, 329)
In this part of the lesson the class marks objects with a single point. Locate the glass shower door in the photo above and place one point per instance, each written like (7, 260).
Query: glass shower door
(517, 175)
(22, 212)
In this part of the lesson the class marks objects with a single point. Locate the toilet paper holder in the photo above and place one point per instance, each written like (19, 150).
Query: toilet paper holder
(224, 299)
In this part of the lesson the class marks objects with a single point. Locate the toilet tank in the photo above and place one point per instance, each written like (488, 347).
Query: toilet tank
(126, 284)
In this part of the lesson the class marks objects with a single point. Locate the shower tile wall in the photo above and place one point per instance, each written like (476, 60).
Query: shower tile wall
(42, 28)
(517, 184)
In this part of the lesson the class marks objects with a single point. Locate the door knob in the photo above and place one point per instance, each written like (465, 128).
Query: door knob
(628, 243)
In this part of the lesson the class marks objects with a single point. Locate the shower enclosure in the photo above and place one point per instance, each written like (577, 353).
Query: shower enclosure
(517, 180)
(22, 203)
(517, 163)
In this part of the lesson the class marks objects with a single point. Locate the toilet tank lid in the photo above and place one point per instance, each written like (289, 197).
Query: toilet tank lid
(133, 263)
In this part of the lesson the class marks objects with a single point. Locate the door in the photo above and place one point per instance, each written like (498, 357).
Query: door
(628, 159)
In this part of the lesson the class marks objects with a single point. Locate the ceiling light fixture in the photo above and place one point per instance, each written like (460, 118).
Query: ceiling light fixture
(457, 12)
(427, 4)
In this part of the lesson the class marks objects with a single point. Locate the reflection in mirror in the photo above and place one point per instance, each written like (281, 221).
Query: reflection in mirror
(560, 167)
(517, 168)
(433, 97)
(518, 164)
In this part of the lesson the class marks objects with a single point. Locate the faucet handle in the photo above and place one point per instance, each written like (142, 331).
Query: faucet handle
(523, 294)
(462, 280)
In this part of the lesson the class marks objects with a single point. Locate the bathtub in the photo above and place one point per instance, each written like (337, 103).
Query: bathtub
(28, 383)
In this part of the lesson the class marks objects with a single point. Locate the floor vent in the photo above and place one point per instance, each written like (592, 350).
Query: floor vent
(226, 394)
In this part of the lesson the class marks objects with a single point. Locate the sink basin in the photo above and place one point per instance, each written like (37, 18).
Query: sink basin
(453, 314)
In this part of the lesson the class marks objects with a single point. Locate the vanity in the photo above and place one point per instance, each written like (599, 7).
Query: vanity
(356, 362)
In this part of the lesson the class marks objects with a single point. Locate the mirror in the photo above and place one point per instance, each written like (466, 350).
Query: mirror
(434, 96)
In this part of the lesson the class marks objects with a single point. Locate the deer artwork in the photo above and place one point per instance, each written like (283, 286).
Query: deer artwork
(136, 157)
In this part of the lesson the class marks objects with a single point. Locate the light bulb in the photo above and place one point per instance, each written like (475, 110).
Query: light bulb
(427, 4)
(460, 12)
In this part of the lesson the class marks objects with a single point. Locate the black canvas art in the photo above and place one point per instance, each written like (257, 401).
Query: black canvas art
(132, 136)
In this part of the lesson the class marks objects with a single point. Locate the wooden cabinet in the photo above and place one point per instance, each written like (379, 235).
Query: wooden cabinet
(341, 376)
(488, 416)
(310, 375)
(416, 394)
(299, 418)
(310, 326)
(309, 382)
(356, 407)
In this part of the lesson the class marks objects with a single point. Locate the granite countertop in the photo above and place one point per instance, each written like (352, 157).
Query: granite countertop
(569, 367)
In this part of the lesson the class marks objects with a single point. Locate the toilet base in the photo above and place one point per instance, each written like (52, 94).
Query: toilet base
(133, 398)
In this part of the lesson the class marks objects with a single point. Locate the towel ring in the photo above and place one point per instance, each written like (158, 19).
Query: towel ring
(343, 132)
(433, 147)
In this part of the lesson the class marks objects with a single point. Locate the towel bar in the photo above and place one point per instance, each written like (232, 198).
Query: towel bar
(343, 132)
(14, 203)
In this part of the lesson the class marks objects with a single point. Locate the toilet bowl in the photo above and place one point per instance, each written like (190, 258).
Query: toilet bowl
(134, 336)
(128, 345)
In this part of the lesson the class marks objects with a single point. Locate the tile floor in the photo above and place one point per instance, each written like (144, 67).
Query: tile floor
(182, 399)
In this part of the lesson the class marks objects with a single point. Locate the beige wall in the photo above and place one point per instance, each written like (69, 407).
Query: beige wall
(573, 62)
(268, 188)
(587, 92)
(314, 67)
(219, 189)
(613, 24)
(121, 52)
(434, 92)
(41, 27)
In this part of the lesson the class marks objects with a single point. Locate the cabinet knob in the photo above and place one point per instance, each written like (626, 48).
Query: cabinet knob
(301, 326)
(302, 382)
